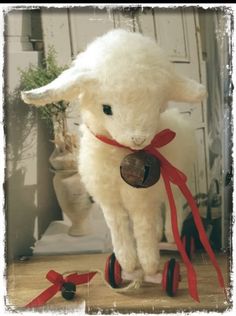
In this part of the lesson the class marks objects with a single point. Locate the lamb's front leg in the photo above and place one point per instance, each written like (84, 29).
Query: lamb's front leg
(122, 236)
(147, 234)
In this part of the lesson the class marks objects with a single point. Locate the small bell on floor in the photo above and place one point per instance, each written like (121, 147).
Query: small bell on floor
(68, 290)
(140, 169)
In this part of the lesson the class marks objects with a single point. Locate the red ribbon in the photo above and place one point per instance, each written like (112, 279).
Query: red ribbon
(58, 281)
(170, 175)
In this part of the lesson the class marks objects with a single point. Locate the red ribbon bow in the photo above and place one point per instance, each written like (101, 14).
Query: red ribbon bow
(58, 281)
(170, 175)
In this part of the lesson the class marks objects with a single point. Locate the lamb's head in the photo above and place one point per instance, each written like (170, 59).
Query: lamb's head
(123, 81)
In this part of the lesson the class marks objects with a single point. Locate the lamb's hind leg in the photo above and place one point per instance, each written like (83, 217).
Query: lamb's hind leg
(122, 236)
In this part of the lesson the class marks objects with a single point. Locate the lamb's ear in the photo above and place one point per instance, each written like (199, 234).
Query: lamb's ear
(66, 87)
(187, 90)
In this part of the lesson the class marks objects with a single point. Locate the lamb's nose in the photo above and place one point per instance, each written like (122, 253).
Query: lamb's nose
(138, 140)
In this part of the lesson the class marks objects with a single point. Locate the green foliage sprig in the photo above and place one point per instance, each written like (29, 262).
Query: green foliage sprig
(37, 76)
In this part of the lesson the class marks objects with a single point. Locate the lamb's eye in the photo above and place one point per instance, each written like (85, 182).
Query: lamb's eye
(107, 109)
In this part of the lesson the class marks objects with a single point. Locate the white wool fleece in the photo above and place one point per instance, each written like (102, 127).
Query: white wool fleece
(129, 73)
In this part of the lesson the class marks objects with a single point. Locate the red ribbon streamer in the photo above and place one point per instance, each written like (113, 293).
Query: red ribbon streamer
(58, 281)
(172, 174)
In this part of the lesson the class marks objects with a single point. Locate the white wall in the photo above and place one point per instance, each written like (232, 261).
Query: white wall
(30, 199)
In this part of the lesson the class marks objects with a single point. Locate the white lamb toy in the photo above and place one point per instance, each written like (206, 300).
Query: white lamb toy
(123, 82)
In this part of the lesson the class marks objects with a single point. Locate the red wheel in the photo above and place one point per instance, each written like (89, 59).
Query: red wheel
(171, 277)
(164, 275)
(176, 278)
(113, 271)
(189, 245)
(107, 278)
(117, 273)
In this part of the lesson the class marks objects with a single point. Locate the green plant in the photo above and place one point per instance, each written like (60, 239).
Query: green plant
(37, 76)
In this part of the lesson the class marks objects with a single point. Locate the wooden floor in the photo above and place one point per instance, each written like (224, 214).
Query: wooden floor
(26, 280)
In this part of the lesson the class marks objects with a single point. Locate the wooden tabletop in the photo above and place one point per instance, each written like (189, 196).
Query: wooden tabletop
(26, 279)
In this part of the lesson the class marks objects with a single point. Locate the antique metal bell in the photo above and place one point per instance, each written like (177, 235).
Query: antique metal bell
(140, 169)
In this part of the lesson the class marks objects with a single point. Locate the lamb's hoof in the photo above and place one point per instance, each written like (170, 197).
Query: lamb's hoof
(132, 276)
(150, 265)
(154, 278)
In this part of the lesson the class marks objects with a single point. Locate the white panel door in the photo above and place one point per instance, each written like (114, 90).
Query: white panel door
(177, 32)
